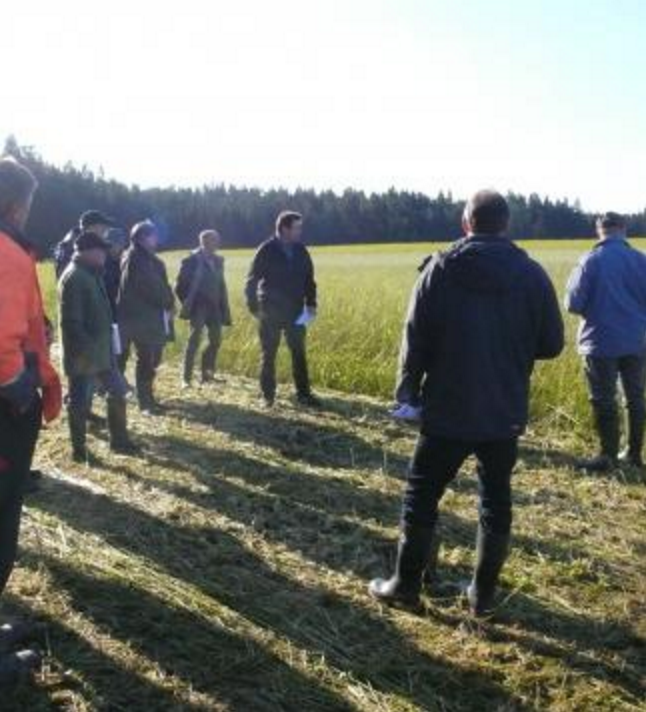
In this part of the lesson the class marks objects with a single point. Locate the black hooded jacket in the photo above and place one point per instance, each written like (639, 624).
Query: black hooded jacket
(480, 315)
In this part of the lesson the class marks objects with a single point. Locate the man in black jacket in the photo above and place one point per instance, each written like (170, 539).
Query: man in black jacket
(202, 290)
(480, 315)
(281, 293)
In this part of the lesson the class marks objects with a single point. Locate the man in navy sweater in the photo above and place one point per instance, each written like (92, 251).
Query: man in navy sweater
(608, 290)
(280, 292)
(480, 315)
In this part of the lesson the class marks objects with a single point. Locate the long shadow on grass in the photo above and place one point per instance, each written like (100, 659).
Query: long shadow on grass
(579, 641)
(310, 512)
(202, 653)
(351, 639)
(96, 678)
(296, 438)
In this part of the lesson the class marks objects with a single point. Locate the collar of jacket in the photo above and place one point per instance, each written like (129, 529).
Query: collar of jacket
(614, 240)
(95, 271)
(18, 237)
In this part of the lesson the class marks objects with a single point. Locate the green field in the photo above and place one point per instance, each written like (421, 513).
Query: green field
(354, 344)
(226, 569)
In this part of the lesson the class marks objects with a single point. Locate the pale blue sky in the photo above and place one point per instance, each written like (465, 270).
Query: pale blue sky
(534, 95)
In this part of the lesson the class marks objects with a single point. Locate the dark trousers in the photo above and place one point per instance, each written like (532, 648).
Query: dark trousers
(18, 436)
(437, 461)
(199, 321)
(148, 359)
(270, 334)
(603, 374)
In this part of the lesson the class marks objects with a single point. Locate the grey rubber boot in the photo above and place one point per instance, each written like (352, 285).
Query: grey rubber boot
(403, 588)
(491, 553)
(118, 427)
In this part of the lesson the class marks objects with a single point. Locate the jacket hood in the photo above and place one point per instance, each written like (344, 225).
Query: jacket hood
(485, 263)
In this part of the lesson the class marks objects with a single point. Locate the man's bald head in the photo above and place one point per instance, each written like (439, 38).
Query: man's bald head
(486, 213)
(210, 240)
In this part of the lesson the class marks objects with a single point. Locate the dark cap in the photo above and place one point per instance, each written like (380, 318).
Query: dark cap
(90, 241)
(95, 217)
(611, 221)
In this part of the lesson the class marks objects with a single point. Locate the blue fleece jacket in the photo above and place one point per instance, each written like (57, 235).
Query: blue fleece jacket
(608, 290)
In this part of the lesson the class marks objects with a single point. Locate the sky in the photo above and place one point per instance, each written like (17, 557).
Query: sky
(545, 96)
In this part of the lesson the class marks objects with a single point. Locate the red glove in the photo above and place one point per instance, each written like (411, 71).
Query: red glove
(52, 397)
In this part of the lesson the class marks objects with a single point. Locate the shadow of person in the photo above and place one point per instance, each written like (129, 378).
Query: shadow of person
(209, 659)
(603, 649)
(74, 667)
(295, 436)
(353, 640)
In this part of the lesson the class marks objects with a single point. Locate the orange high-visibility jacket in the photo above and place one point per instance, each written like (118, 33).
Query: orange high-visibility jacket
(22, 320)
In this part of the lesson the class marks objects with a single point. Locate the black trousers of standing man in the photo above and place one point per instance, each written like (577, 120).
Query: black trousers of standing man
(271, 331)
(18, 436)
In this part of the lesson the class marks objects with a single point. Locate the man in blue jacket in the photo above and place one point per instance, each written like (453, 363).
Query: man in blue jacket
(480, 315)
(608, 290)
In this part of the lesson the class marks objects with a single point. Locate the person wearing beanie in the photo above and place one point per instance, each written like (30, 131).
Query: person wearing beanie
(144, 310)
(88, 357)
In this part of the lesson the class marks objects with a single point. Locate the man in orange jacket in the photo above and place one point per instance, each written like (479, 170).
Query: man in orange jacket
(30, 390)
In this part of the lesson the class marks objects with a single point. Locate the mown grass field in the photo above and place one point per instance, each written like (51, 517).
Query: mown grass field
(226, 568)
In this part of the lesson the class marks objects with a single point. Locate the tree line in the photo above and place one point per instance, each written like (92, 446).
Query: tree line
(245, 215)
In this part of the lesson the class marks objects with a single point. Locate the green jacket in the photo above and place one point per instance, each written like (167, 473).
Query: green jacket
(86, 321)
(144, 296)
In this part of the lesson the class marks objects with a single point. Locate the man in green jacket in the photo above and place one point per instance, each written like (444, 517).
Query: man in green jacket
(88, 356)
(202, 290)
(144, 310)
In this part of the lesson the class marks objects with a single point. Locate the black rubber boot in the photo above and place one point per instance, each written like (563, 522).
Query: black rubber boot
(632, 456)
(146, 399)
(14, 634)
(77, 422)
(118, 427)
(607, 426)
(430, 578)
(403, 588)
(17, 667)
(491, 551)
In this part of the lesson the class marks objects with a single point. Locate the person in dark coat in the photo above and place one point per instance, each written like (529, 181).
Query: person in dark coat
(91, 220)
(480, 315)
(202, 290)
(608, 290)
(88, 357)
(144, 309)
(281, 294)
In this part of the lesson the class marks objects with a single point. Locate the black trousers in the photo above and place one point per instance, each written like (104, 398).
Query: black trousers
(437, 461)
(270, 332)
(18, 436)
(603, 374)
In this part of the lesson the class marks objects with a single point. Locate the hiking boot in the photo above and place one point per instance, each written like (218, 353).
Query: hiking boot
(403, 587)
(491, 553)
(17, 667)
(600, 463)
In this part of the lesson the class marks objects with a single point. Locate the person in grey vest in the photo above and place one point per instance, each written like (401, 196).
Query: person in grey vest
(202, 290)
